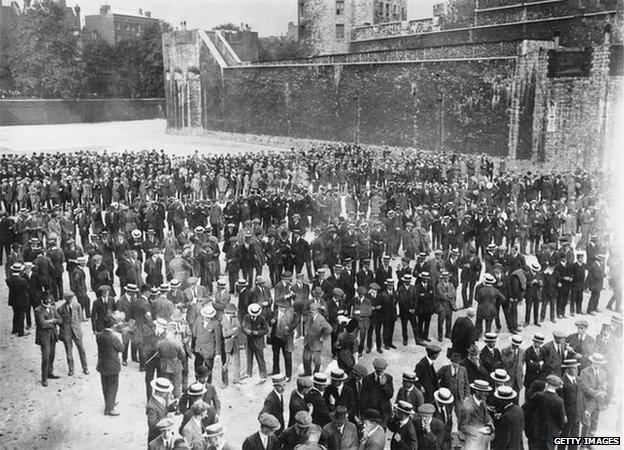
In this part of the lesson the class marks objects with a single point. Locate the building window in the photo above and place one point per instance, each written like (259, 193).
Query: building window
(340, 31)
(339, 7)
(394, 11)
(387, 9)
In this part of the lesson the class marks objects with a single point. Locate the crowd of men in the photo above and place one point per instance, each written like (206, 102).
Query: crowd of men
(167, 259)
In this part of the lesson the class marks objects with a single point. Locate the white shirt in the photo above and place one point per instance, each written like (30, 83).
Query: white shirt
(265, 439)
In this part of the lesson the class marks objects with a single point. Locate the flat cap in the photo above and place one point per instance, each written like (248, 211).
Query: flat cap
(380, 363)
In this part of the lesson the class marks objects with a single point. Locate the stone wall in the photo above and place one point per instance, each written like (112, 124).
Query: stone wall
(458, 105)
(45, 111)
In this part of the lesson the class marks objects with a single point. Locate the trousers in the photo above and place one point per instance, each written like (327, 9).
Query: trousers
(110, 384)
(279, 345)
(412, 320)
(258, 353)
(48, 352)
(311, 357)
(375, 326)
(69, 350)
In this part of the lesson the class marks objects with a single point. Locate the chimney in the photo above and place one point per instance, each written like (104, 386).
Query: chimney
(556, 39)
(148, 14)
(183, 25)
(104, 9)
(607, 35)
(140, 12)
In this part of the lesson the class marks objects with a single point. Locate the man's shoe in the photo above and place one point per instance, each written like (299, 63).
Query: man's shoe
(379, 350)
(125, 363)
(392, 346)
(386, 347)
(538, 324)
(26, 333)
(53, 376)
(360, 354)
(85, 371)
(405, 343)
(368, 350)
(262, 381)
(71, 372)
(440, 339)
(111, 413)
(44, 382)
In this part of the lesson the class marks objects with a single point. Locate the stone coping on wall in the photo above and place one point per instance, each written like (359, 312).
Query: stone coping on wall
(372, 63)
(497, 25)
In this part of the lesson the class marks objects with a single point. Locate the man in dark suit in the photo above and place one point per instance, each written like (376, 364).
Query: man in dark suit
(510, 424)
(407, 308)
(339, 394)
(490, 356)
(340, 433)
(295, 434)
(99, 273)
(534, 361)
(282, 324)
(426, 373)
(274, 402)
(578, 284)
(409, 392)
(474, 368)
(47, 319)
(582, 344)
(594, 281)
(264, 439)
(429, 430)
(384, 271)
(444, 413)
(573, 396)
(109, 346)
(513, 361)
(473, 417)
(158, 406)
(35, 290)
(320, 412)
(301, 253)
(153, 269)
(57, 256)
(464, 333)
(103, 305)
(403, 431)
(555, 352)
(377, 390)
(297, 399)
(18, 298)
(355, 383)
(548, 417)
(454, 377)
(71, 331)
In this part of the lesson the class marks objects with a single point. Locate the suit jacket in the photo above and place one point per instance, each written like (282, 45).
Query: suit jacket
(573, 395)
(207, 338)
(346, 399)
(490, 359)
(428, 378)
(553, 358)
(320, 412)
(155, 411)
(459, 385)
(290, 438)
(584, 349)
(18, 291)
(548, 416)
(316, 329)
(100, 276)
(403, 436)
(470, 418)
(71, 323)
(513, 364)
(431, 440)
(46, 330)
(509, 429)
(595, 276)
(534, 370)
(374, 441)
(295, 404)
(274, 405)
(192, 432)
(284, 328)
(109, 347)
(444, 413)
(463, 334)
(347, 440)
(153, 272)
(99, 310)
(254, 442)
(473, 371)
(245, 298)
(159, 444)
(414, 396)
(593, 385)
(377, 396)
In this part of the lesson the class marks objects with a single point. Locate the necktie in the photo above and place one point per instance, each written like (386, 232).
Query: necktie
(69, 310)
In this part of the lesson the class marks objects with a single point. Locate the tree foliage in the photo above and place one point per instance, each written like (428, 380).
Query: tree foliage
(228, 26)
(273, 49)
(45, 57)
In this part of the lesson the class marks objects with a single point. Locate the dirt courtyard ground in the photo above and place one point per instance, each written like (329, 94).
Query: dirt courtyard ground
(68, 414)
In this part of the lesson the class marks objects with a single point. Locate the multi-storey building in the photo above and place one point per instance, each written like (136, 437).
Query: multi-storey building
(114, 26)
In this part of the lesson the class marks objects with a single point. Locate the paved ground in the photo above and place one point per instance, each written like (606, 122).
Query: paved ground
(68, 413)
(139, 134)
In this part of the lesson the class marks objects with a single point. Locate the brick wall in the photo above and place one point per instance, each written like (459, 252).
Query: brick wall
(39, 112)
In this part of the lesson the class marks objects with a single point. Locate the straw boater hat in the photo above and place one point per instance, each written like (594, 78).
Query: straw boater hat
(410, 377)
(505, 393)
(338, 375)
(196, 389)
(481, 385)
(136, 233)
(208, 311)
(130, 287)
(500, 375)
(165, 424)
(598, 358)
(174, 283)
(254, 309)
(161, 384)
(216, 429)
(444, 396)
(491, 337)
(489, 279)
(404, 407)
(539, 337)
(320, 378)
(569, 363)
(278, 379)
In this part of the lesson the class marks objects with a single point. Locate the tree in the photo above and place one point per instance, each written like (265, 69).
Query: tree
(45, 57)
(273, 49)
(99, 58)
(227, 26)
